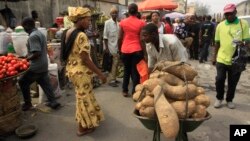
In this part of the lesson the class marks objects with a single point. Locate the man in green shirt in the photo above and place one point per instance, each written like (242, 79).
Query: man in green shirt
(227, 31)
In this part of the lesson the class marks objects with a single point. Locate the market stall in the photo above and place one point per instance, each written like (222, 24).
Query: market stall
(11, 67)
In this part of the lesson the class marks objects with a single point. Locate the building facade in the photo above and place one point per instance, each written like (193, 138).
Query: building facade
(243, 8)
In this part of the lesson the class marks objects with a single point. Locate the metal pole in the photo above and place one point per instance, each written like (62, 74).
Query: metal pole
(186, 2)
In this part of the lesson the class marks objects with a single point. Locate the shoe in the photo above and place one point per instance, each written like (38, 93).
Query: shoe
(230, 105)
(125, 94)
(26, 106)
(218, 103)
(113, 84)
(116, 81)
(53, 105)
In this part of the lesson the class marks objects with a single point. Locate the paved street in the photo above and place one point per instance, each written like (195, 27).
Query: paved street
(121, 125)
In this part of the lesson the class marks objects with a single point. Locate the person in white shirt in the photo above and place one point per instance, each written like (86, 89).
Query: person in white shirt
(110, 35)
(172, 49)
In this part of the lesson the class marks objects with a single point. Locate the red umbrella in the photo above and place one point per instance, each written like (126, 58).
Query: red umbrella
(157, 5)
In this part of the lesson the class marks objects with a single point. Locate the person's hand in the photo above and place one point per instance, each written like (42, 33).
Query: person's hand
(106, 50)
(214, 62)
(103, 78)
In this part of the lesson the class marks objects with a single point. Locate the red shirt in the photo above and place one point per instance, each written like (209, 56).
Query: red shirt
(131, 27)
(168, 29)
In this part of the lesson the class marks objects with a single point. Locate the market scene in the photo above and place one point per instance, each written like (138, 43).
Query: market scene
(124, 70)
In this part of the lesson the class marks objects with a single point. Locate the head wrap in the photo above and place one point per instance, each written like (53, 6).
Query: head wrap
(113, 9)
(78, 12)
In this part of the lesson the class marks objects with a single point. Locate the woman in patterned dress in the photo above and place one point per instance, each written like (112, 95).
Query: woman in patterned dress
(80, 68)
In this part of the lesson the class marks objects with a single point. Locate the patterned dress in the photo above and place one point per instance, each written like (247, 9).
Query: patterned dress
(88, 112)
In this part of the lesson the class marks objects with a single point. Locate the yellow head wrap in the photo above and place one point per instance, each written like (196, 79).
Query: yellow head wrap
(78, 12)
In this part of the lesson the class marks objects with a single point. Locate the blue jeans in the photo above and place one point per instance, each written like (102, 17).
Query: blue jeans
(42, 79)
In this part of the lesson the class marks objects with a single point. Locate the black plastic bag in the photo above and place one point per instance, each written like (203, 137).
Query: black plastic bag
(239, 61)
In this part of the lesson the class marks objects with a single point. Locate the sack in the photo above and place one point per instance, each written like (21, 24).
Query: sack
(142, 69)
(239, 60)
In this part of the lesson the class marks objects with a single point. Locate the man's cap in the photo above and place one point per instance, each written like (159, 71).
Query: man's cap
(229, 8)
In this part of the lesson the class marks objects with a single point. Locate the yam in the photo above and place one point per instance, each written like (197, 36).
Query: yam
(149, 93)
(150, 84)
(138, 106)
(200, 90)
(200, 112)
(148, 101)
(148, 112)
(180, 108)
(179, 92)
(167, 116)
(171, 79)
(138, 87)
(163, 63)
(155, 74)
(136, 95)
(202, 100)
(195, 81)
(181, 70)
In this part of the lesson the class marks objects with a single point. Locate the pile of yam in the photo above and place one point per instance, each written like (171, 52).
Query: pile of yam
(170, 94)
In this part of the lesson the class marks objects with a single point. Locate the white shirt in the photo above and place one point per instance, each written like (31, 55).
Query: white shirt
(173, 50)
(111, 33)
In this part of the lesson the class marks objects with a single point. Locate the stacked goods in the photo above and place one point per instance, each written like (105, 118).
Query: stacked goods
(11, 65)
(10, 68)
(170, 94)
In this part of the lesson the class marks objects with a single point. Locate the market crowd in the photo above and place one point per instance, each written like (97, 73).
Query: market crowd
(136, 41)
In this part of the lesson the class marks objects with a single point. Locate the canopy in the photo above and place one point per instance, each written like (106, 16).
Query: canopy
(12, 0)
(174, 15)
(157, 5)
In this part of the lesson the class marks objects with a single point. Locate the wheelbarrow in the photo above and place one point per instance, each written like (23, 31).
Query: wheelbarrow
(186, 125)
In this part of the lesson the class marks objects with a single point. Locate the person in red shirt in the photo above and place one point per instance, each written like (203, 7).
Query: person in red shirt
(130, 47)
(168, 26)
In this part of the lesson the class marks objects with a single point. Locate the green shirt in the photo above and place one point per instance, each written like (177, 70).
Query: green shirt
(225, 33)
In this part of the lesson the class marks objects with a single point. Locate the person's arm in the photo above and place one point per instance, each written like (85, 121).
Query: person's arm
(88, 63)
(217, 44)
(246, 35)
(34, 55)
(35, 47)
(216, 49)
(84, 51)
(105, 37)
(120, 39)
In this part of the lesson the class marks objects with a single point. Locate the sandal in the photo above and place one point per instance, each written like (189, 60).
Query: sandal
(86, 131)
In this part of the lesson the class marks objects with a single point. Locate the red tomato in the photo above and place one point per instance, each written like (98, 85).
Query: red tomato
(11, 55)
(1, 76)
(16, 66)
(11, 68)
(12, 73)
(9, 58)
(25, 67)
(13, 61)
(3, 71)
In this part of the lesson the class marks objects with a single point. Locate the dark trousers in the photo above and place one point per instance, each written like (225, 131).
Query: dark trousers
(224, 71)
(204, 51)
(42, 79)
(130, 60)
(194, 50)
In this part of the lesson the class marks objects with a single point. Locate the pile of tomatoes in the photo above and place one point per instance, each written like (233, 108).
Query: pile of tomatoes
(10, 65)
